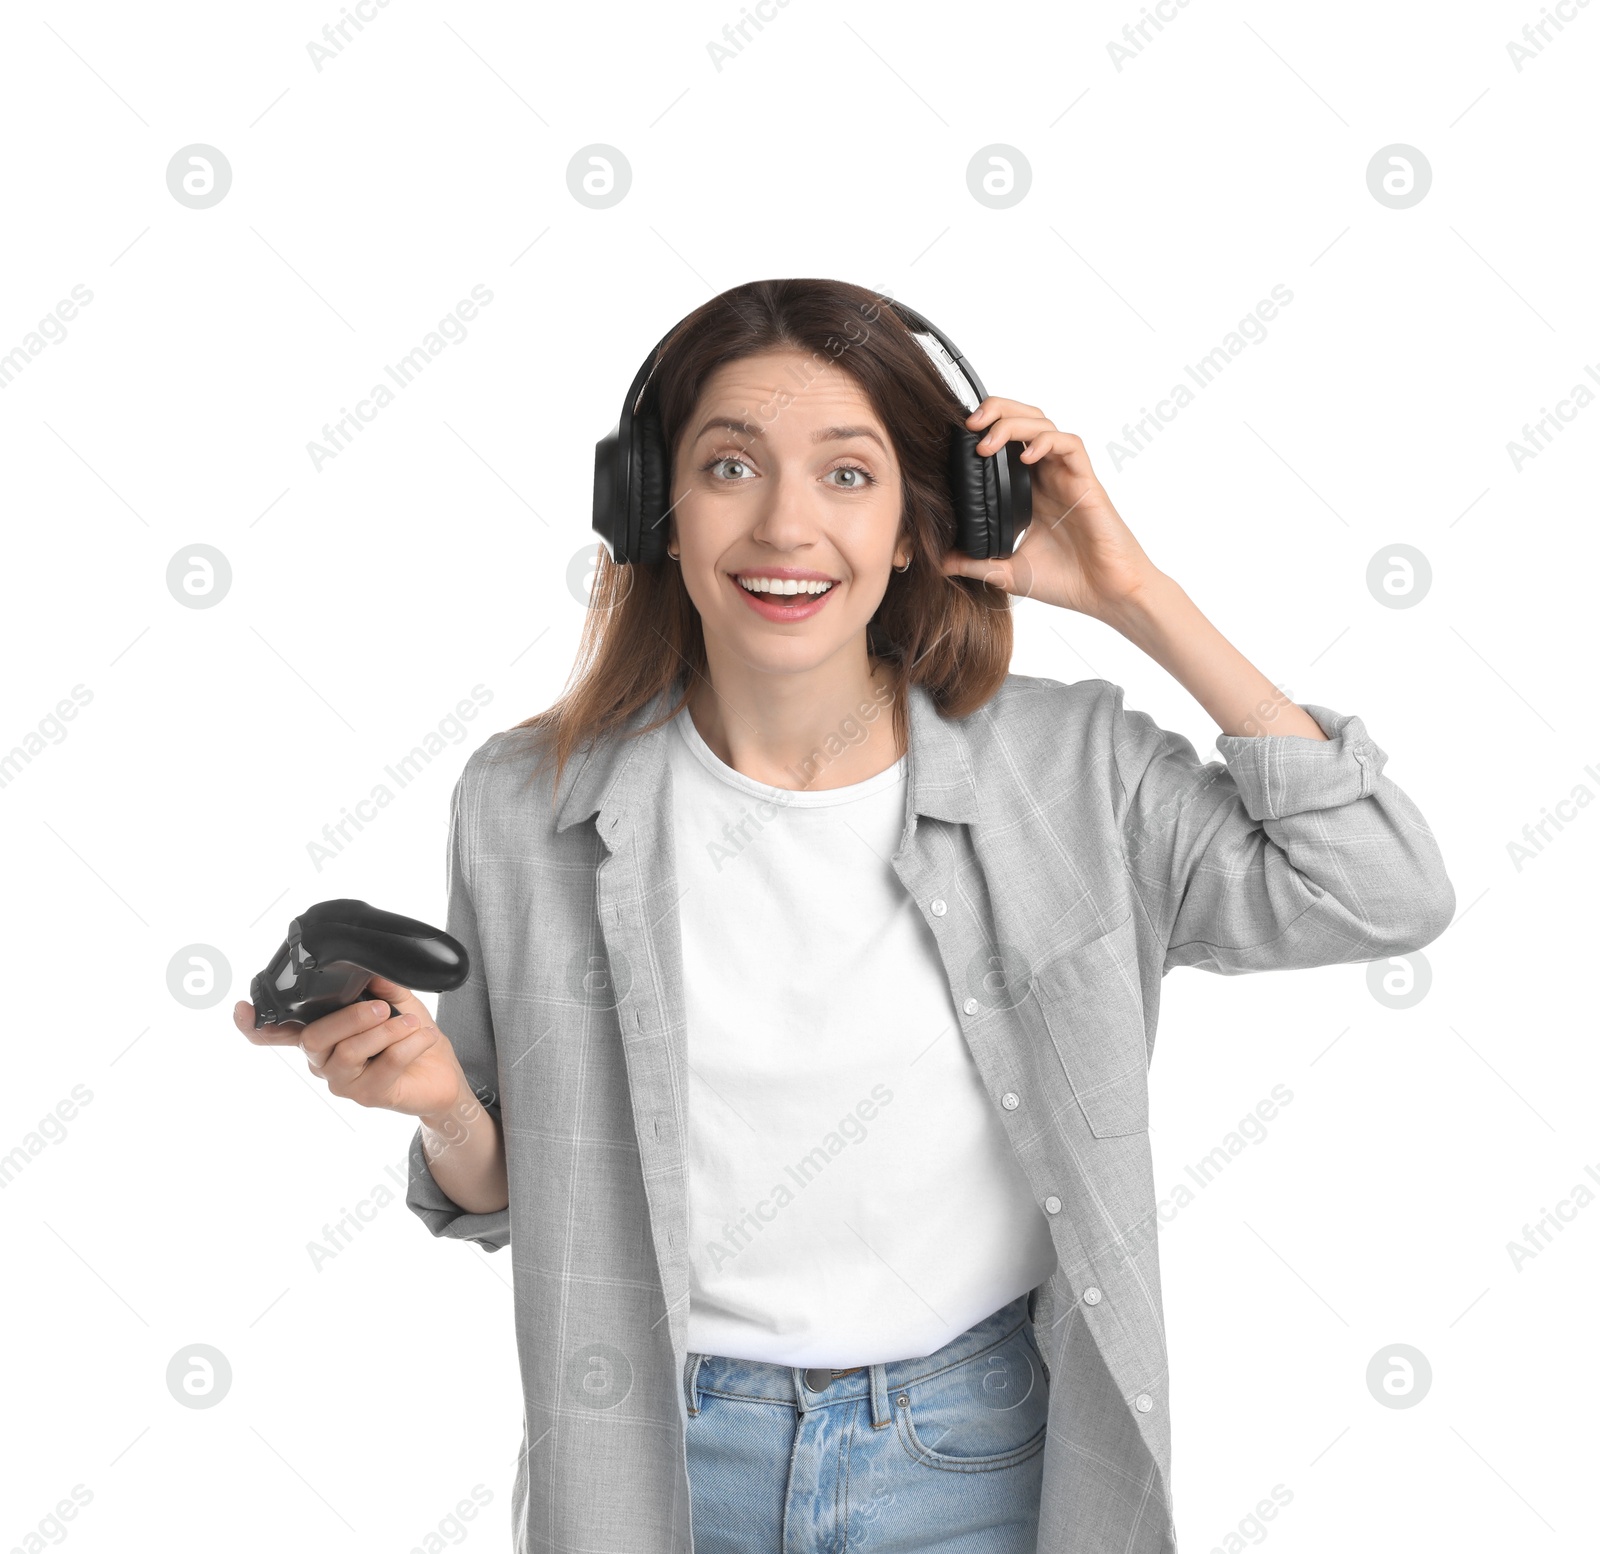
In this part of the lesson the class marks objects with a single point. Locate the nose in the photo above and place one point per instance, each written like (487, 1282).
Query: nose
(784, 521)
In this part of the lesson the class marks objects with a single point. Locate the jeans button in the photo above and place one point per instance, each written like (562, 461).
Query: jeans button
(818, 1379)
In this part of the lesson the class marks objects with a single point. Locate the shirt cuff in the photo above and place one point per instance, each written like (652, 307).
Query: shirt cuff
(443, 1215)
(1287, 774)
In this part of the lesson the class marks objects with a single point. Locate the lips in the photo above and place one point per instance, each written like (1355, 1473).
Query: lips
(784, 607)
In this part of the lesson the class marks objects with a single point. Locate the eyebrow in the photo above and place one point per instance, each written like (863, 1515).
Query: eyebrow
(825, 434)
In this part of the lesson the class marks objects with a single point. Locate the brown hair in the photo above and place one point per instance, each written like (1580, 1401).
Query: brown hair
(642, 633)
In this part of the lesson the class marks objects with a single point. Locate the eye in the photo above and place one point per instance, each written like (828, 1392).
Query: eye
(863, 480)
(724, 458)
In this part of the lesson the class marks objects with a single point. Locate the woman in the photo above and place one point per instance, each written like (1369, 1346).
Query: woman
(804, 1054)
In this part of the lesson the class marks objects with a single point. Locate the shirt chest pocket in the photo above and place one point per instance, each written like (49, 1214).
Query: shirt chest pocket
(1094, 1010)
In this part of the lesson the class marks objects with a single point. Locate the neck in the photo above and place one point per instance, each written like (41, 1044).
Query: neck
(826, 729)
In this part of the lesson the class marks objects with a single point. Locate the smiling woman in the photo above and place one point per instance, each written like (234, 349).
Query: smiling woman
(750, 902)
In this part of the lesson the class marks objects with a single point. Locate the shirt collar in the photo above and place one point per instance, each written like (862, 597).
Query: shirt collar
(619, 773)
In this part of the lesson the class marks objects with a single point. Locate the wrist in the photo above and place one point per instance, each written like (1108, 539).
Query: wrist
(450, 1121)
(1140, 612)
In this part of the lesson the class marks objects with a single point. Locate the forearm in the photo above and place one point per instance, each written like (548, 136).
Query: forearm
(465, 1151)
(1166, 623)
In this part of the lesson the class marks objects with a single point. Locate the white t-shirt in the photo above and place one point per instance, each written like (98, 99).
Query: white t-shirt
(853, 1197)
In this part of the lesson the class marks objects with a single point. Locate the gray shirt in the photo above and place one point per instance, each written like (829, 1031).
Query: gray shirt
(1088, 849)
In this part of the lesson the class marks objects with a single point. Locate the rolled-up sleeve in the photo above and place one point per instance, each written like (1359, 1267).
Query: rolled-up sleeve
(1289, 852)
(463, 1016)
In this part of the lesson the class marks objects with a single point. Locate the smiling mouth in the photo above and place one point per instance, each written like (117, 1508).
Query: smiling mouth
(774, 602)
(780, 591)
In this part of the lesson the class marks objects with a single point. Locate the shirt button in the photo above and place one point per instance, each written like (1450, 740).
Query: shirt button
(1011, 1100)
(1144, 1402)
(936, 906)
(970, 1007)
(1052, 1204)
(1091, 1296)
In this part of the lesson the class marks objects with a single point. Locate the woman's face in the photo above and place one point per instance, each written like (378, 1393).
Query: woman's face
(785, 470)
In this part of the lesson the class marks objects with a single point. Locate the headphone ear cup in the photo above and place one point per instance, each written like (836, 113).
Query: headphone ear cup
(609, 520)
(974, 491)
(1019, 509)
(648, 491)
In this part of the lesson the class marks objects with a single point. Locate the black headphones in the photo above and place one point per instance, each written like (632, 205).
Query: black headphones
(992, 493)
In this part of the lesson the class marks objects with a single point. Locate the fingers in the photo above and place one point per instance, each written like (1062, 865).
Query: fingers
(244, 1018)
(1024, 429)
(382, 987)
(1009, 420)
(322, 1035)
(1027, 434)
(1067, 449)
(373, 1082)
(395, 993)
(360, 1051)
(346, 1059)
(377, 1080)
(996, 571)
(1065, 445)
(994, 406)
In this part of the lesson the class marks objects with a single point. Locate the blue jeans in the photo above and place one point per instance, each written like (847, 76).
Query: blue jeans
(944, 1451)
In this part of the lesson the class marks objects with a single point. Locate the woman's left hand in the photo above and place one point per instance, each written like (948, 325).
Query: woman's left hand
(1077, 552)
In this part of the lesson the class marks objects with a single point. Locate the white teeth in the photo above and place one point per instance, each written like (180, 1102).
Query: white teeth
(783, 585)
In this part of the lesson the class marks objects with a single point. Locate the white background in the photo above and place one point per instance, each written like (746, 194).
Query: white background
(367, 599)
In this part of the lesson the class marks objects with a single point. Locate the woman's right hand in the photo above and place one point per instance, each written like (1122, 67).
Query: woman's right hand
(402, 1064)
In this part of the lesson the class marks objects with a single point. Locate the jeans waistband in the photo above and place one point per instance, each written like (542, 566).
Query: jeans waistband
(804, 1387)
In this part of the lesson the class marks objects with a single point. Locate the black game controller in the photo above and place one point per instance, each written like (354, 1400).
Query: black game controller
(335, 948)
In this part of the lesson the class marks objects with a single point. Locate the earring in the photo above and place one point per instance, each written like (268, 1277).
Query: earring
(671, 552)
(906, 567)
